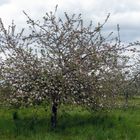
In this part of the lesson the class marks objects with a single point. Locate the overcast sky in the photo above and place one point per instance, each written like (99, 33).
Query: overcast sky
(126, 13)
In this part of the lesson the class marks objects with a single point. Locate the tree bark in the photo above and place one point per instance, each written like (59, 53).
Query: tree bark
(54, 115)
(126, 100)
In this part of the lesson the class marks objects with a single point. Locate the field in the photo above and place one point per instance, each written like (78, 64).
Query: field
(74, 123)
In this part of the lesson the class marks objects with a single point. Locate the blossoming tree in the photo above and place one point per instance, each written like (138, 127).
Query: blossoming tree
(61, 60)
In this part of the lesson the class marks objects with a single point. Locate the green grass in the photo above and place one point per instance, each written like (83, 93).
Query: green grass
(74, 123)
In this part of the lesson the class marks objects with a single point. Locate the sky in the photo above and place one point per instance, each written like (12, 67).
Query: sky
(126, 13)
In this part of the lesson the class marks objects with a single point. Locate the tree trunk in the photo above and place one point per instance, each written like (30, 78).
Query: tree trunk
(54, 115)
(126, 100)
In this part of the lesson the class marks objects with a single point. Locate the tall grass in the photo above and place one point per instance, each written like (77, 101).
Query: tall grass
(74, 123)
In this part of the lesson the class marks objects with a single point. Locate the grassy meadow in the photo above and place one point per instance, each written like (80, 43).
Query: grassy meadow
(74, 123)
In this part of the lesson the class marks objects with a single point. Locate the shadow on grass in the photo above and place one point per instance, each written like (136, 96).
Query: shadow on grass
(66, 123)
